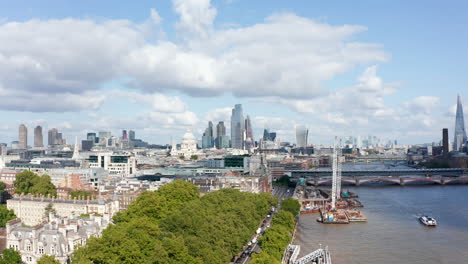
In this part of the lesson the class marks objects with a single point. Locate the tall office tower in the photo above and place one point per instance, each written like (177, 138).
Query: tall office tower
(52, 136)
(124, 134)
(266, 134)
(445, 142)
(131, 135)
(237, 127)
(23, 137)
(92, 137)
(208, 139)
(220, 129)
(249, 140)
(221, 141)
(359, 142)
(38, 139)
(104, 137)
(301, 136)
(460, 133)
(3, 149)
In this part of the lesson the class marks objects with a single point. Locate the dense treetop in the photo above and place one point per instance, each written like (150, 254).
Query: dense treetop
(176, 225)
(81, 194)
(10, 256)
(28, 182)
(5, 215)
(48, 259)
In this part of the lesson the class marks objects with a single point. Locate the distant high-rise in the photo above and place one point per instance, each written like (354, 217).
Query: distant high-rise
(301, 136)
(55, 138)
(460, 133)
(445, 142)
(249, 140)
(124, 134)
(38, 139)
(23, 137)
(52, 136)
(237, 127)
(92, 137)
(208, 139)
(221, 141)
(131, 135)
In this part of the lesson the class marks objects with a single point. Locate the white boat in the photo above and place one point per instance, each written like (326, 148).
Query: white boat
(429, 221)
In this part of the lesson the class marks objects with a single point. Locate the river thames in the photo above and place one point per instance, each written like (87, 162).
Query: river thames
(393, 233)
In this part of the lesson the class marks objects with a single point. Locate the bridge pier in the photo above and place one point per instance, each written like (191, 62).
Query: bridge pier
(402, 181)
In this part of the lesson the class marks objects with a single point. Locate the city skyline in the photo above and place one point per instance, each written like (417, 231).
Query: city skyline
(379, 86)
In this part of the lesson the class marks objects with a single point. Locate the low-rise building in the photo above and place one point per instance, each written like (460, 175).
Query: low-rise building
(32, 210)
(59, 237)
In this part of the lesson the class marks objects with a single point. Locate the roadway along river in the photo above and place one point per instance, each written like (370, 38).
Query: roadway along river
(393, 233)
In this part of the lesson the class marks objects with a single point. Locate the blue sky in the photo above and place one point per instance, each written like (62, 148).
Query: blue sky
(386, 68)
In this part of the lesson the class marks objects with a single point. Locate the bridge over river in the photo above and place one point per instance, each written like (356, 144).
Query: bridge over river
(385, 176)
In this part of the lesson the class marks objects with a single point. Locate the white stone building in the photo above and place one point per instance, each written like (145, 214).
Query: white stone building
(116, 164)
(187, 148)
(59, 237)
(31, 210)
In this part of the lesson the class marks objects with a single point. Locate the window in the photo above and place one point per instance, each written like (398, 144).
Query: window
(41, 250)
(28, 246)
(52, 250)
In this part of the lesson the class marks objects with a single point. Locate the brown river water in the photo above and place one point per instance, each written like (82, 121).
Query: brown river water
(393, 233)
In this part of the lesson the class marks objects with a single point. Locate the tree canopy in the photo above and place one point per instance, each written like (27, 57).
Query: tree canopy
(5, 215)
(10, 256)
(291, 205)
(30, 183)
(277, 238)
(48, 259)
(81, 194)
(176, 225)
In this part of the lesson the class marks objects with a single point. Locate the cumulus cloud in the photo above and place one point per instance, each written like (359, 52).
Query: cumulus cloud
(285, 55)
(422, 104)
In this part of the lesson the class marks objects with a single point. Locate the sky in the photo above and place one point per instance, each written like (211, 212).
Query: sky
(391, 69)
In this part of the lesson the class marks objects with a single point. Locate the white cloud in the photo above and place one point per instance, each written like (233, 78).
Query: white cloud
(422, 104)
(286, 55)
(196, 16)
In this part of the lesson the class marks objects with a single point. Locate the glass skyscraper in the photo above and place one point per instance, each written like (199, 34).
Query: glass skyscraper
(460, 132)
(301, 136)
(237, 127)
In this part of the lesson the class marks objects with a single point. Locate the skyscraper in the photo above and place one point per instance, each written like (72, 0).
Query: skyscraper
(221, 141)
(249, 140)
(91, 137)
(124, 134)
(301, 136)
(38, 139)
(131, 135)
(237, 127)
(445, 143)
(52, 136)
(460, 133)
(23, 137)
(208, 139)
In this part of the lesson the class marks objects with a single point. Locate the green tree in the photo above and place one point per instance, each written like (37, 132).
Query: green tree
(24, 181)
(30, 183)
(49, 209)
(2, 187)
(5, 215)
(81, 194)
(181, 157)
(2, 191)
(291, 205)
(10, 256)
(176, 225)
(275, 240)
(284, 218)
(263, 258)
(194, 157)
(47, 259)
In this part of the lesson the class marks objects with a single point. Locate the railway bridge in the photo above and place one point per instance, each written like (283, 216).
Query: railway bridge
(395, 180)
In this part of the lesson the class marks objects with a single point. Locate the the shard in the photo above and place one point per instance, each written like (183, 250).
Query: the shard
(460, 132)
